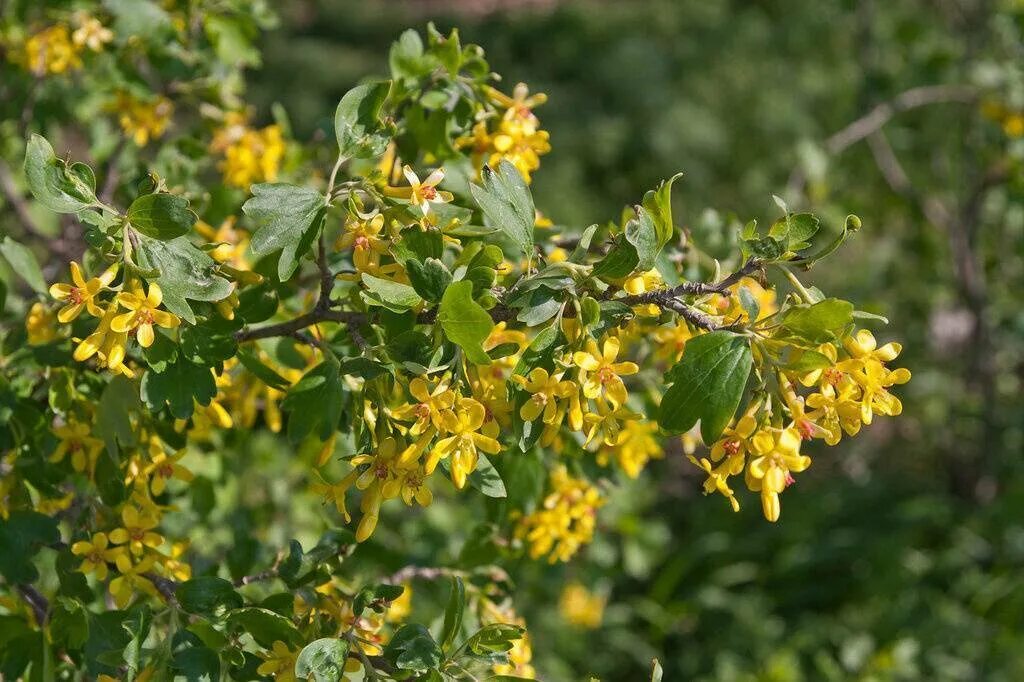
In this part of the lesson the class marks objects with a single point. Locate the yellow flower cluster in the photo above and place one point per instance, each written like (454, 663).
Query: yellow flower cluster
(51, 51)
(251, 155)
(848, 393)
(638, 443)
(109, 340)
(565, 520)
(515, 136)
(131, 544)
(581, 607)
(143, 120)
(1010, 119)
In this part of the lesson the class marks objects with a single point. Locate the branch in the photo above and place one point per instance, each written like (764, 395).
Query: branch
(291, 327)
(39, 604)
(905, 101)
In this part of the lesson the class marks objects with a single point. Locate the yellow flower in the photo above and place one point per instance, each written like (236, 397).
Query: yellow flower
(279, 662)
(92, 33)
(252, 155)
(601, 374)
(636, 445)
(76, 438)
(109, 345)
(730, 307)
(363, 237)
(605, 422)
(137, 531)
(96, 553)
(461, 447)
(547, 390)
(776, 454)
(81, 293)
(566, 519)
(143, 121)
(671, 340)
(335, 492)
(430, 407)
(163, 467)
(866, 366)
(51, 51)
(144, 314)
(39, 324)
(581, 607)
(132, 579)
(421, 194)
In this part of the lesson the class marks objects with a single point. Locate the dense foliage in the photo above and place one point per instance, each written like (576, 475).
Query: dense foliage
(395, 331)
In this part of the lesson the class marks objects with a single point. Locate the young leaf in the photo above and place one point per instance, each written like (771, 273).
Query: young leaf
(453, 613)
(507, 203)
(288, 219)
(265, 626)
(707, 384)
(429, 278)
(465, 322)
(185, 273)
(161, 216)
(207, 595)
(357, 121)
(315, 402)
(394, 296)
(821, 322)
(23, 263)
(323, 660)
(412, 648)
(54, 184)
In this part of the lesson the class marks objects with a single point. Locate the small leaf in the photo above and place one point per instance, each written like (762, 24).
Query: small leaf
(392, 295)
(429, 278)
(357, 121)
(507, 203)
(707, 384)
(179, 385)
(314, 403)
(23, 263)
(453, 613)
(22, 534)
(55, 185)
(262, 371)
(207, 595)
(821, 322)
(288, 219)
(265, 626)
(412, 648)
(465, 322)
(323, 660)
(161, 216)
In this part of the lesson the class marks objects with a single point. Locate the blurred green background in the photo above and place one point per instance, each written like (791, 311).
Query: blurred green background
(900, 554)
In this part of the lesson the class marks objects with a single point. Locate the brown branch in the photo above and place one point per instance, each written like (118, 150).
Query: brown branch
(37, 602)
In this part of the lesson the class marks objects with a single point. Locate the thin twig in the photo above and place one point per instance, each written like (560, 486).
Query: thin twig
(39, 604)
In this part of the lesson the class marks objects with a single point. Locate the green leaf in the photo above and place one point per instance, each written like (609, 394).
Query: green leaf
(265, 626)
(376, 597)
(53, 183)
(161, 216)
(620, 260)
(137, 625)
(465, 322)
(453, 613)
(186, 273)
(507, 203)
(658, 203)
(707, 384)
(795, 230)
(429, 278)
(22, 534)
(412, 648)
(69, 623)
(23, 263)
(486, 478)
(496, 637)
(821, 322)
(314, 403)
(357, 121)
(406, 57)
(323, 660)
(643, 235)
(394, 296)
(288, 219)
(120, 398)
(179, 385)
(364, 368)
(207, 346)
(262, 371)
(207, 596)
(196, 664)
